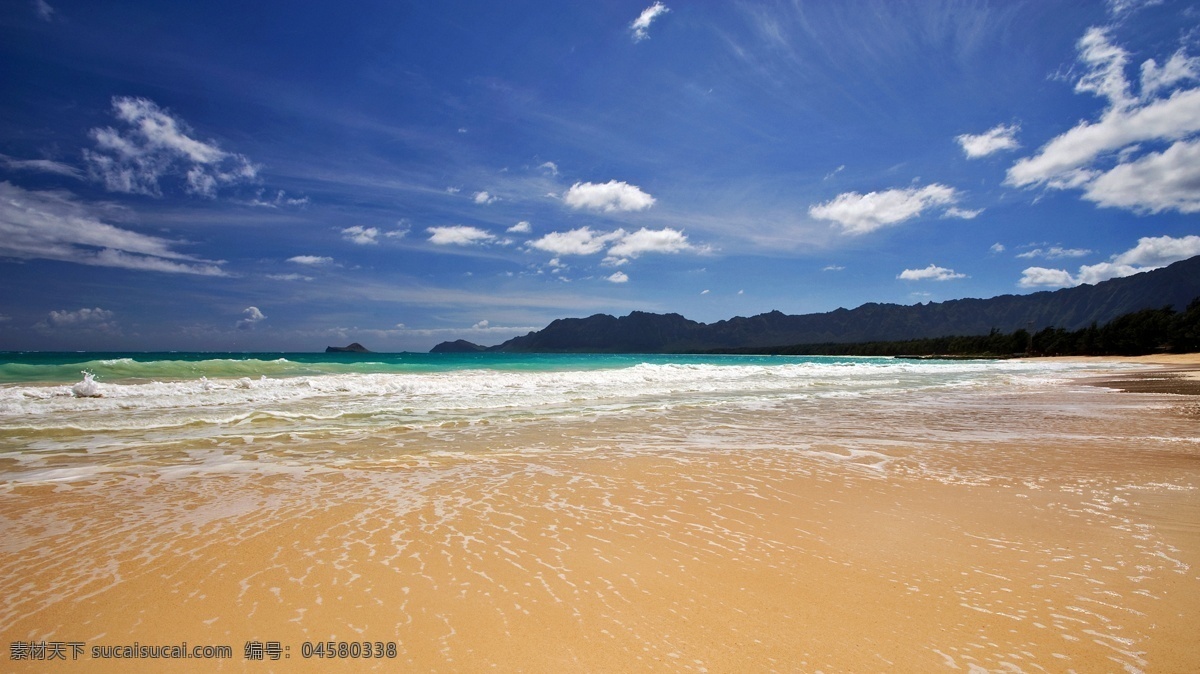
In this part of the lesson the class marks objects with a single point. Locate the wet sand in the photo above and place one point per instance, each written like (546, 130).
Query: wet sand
(1056, 532)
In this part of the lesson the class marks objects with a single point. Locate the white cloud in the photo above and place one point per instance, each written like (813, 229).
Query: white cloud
(310, 260)
(997, 248)
(289, 277)
(610, 196)
(481, 325)
(40, 166)
(930, 273)
(617, 277)
(1054, 252)
(54, 225)
(1151, 252)
(1159, 251)
(862, 213)
(521, 227)
(458, 235)
(550, 167)
(484, 198)
(155, 145)
(705, 291)
(1179, 68)
(1107, 158)
(620, 245)
(1158, 181)
(1105, 74)
(1041, 277)
(253, 317)
(644, 240)
(832, 267)
(363, 236)
(641, 25)
(994, 140)
(581, 241)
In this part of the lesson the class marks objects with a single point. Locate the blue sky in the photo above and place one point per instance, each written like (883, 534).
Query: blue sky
(284, 176)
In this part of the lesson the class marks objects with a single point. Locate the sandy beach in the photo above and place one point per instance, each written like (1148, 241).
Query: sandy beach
(974, 530)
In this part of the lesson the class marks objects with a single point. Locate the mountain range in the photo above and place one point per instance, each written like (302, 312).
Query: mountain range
(1069, 308)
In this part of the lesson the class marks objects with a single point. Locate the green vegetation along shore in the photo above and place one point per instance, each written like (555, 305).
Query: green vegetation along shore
(1134, 334)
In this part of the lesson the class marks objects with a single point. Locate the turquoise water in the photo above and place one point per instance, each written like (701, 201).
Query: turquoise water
(116, 368)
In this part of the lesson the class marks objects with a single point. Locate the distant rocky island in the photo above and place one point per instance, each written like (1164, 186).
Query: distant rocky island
(354, 347)
(1069, 309)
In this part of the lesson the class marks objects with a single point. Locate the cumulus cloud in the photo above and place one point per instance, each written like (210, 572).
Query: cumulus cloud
(930, 273)
(521, 227)
(993, 140)
(1041, 277)
(310, 260)
(253, 318)
(581, 241)
(54, 225)
(458, 235)
(1107, 158)
(484, 198)
(617, 277)
(154, 145)
(863, 213)
(620, 244)
(641, 25)
(1151, 252)
(644, 240)
(608, 197)
(997, 247)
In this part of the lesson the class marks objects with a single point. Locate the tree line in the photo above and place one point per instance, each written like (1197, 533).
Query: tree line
(1137, 333)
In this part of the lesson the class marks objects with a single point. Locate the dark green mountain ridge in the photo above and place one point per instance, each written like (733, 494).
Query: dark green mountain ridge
(1069, 308)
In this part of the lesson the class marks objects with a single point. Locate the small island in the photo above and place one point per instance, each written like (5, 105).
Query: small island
(354, 347)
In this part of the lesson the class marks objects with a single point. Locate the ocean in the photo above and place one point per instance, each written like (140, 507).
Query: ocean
(534, 512)
(65, 415)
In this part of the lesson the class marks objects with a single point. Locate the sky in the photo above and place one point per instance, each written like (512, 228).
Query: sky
(275, 176)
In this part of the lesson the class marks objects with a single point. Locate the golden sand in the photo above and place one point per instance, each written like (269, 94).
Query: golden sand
(1070, 544)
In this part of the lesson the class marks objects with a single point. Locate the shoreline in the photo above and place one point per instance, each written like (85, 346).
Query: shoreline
(1175, 374)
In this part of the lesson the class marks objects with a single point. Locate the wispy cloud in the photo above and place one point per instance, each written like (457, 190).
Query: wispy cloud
(1054, 252)
(54, 225)
(641, 25)
(863, 213)
(40, 166)
(154, 145)
(44, 11)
